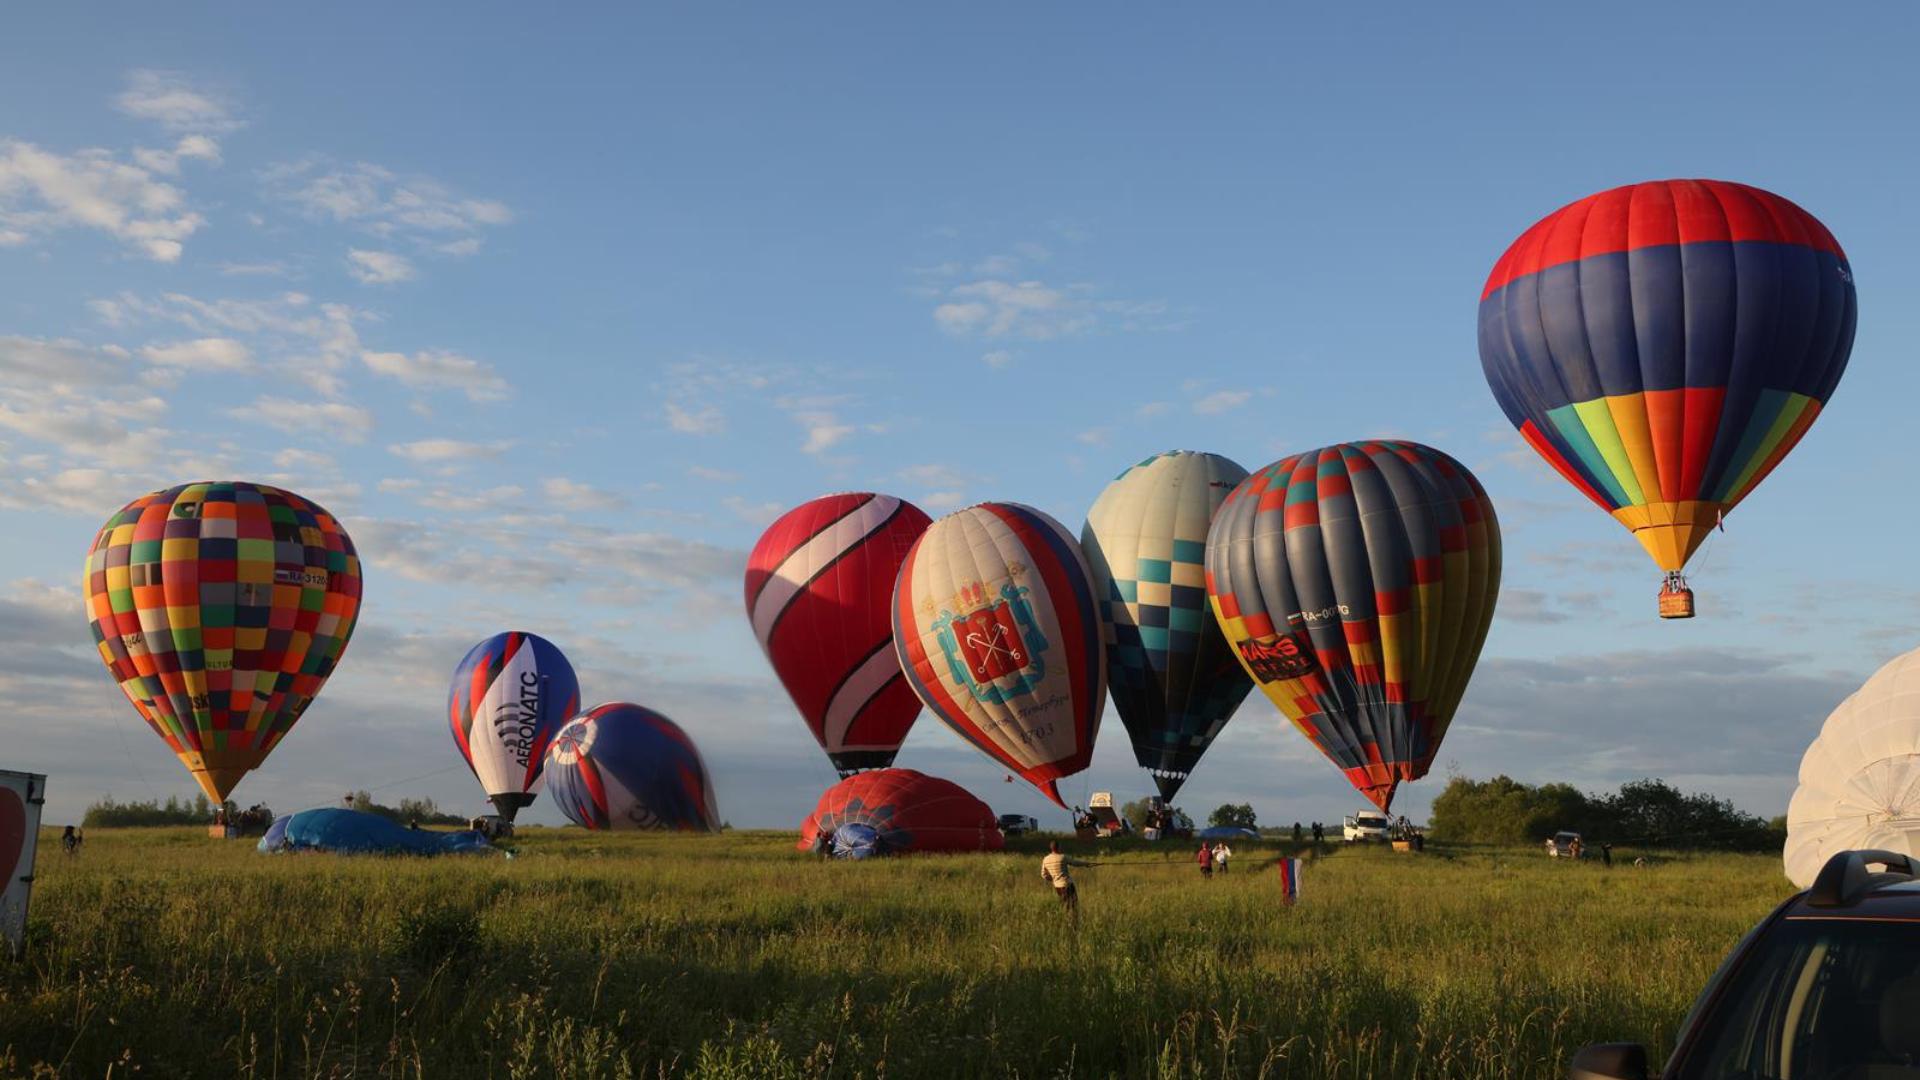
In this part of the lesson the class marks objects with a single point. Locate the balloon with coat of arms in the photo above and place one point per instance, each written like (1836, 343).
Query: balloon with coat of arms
(997, 631)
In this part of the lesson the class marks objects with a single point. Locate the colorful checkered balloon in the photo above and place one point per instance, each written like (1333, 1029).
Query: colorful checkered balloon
(221, 608)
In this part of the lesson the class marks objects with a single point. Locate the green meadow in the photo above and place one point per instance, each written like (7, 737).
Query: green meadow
(160, 953)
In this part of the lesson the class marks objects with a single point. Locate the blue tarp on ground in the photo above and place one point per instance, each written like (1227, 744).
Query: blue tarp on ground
(1228, 832)
(351, 832)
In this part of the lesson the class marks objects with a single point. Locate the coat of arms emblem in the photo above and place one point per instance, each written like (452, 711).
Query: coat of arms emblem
(993, 647)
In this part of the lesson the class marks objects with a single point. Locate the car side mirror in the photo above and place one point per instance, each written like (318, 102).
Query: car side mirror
(1609, 1061)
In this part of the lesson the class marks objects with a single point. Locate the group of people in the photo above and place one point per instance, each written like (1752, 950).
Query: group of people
(1213, 855)
(1319, 833)
(71, 840)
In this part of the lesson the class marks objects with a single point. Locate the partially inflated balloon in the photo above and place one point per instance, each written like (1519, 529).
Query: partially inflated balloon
(510, 695)
(620, 766)
(1174, 681)
(1860, 779)
(1357, 583)
(898, 811)
(996, 627)
(221, 608)
(1664, 345)
(820, 593)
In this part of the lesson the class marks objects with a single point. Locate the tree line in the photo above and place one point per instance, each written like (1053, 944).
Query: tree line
(109, 814)
(1642, 813)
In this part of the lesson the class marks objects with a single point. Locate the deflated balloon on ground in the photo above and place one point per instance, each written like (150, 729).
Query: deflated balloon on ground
(622, 766)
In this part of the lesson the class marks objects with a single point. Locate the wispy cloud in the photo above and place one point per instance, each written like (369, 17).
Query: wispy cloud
(176, 102)
(1220, 401)
(202, 354)
(332, 419)
(447, 451)
(420, 210)
(434, 370)
(42, 191)
(378, 267)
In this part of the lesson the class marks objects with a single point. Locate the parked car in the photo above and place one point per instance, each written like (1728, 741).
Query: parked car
(1365, 825)
(1015, 824)
(1562, 845)
(1826, 986)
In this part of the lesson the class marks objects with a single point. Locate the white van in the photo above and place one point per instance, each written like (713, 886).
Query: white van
(1365, 825)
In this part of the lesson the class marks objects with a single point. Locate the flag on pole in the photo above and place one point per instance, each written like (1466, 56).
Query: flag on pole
(1289, 880)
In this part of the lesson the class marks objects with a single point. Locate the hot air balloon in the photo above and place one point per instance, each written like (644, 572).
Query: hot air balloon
(221, 608)
(510, 695)
(1860, 779)
(621, 766)
(898, 811)
(356, 832)
(1663, 346)
(1173, 679)
(996, 627)
(1356, 584)
(820, 593)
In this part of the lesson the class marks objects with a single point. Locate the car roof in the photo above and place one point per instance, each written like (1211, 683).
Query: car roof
(1893, 899)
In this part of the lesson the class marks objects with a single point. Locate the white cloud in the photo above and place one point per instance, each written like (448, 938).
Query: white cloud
(1000, 308)
(759, 514)
(1095, 436)
(190, 147)
(718, 476)
(41, 191)
(1221, 401)
(439, 370)
(309, 460)
(35, 363)
(311, 342)
(268, 268)
(378, 267)
(204, 354)
(1152, 408)
(172, 100)
(333, 419)
(445, 451)
(998, 358)
(569, 495)
(824, 431)
(695, 419)
(418, 209)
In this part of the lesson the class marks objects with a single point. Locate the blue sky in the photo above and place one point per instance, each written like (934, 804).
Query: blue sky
(557, 312)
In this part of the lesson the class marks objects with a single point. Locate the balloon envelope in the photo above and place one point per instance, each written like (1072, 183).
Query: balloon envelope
(511, 694)
(221, 609)
(355, 832)
(1173, 680)
(994, 620)
(896, 811)
(1664, 345)
(819, 594)
(1356, 584)
(1860, 778)
(621, 766)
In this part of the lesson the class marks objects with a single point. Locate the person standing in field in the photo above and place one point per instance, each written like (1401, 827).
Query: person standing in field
(1205, 859)
(1296, 832)
(1606, 853)
(1053, 870)
(1221, 853)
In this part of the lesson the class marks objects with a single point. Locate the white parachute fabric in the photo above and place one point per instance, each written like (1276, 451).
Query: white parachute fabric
(1860, 779)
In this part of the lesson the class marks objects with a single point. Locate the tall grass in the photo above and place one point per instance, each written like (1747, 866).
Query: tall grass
(167, 953)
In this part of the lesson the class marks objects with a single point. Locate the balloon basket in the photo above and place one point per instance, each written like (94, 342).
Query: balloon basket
(222, 832)
(1676, 600)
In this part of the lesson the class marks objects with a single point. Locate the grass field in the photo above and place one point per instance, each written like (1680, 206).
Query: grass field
(162, 953)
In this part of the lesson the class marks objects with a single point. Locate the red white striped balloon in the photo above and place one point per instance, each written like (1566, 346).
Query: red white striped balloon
(819, 590)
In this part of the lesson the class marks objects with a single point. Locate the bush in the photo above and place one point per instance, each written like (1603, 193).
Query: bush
(1232, 815)
(107, 814)
(1643, 813)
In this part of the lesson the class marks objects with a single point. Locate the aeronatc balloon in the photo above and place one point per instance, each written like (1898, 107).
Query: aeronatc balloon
(1664, 345)
(624, 767)
(221, 608)
(1356, 584)
(1173, 679)
(1860, 779)
(899, 811)
(997, 631)
(819, 594)
(510, 695)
